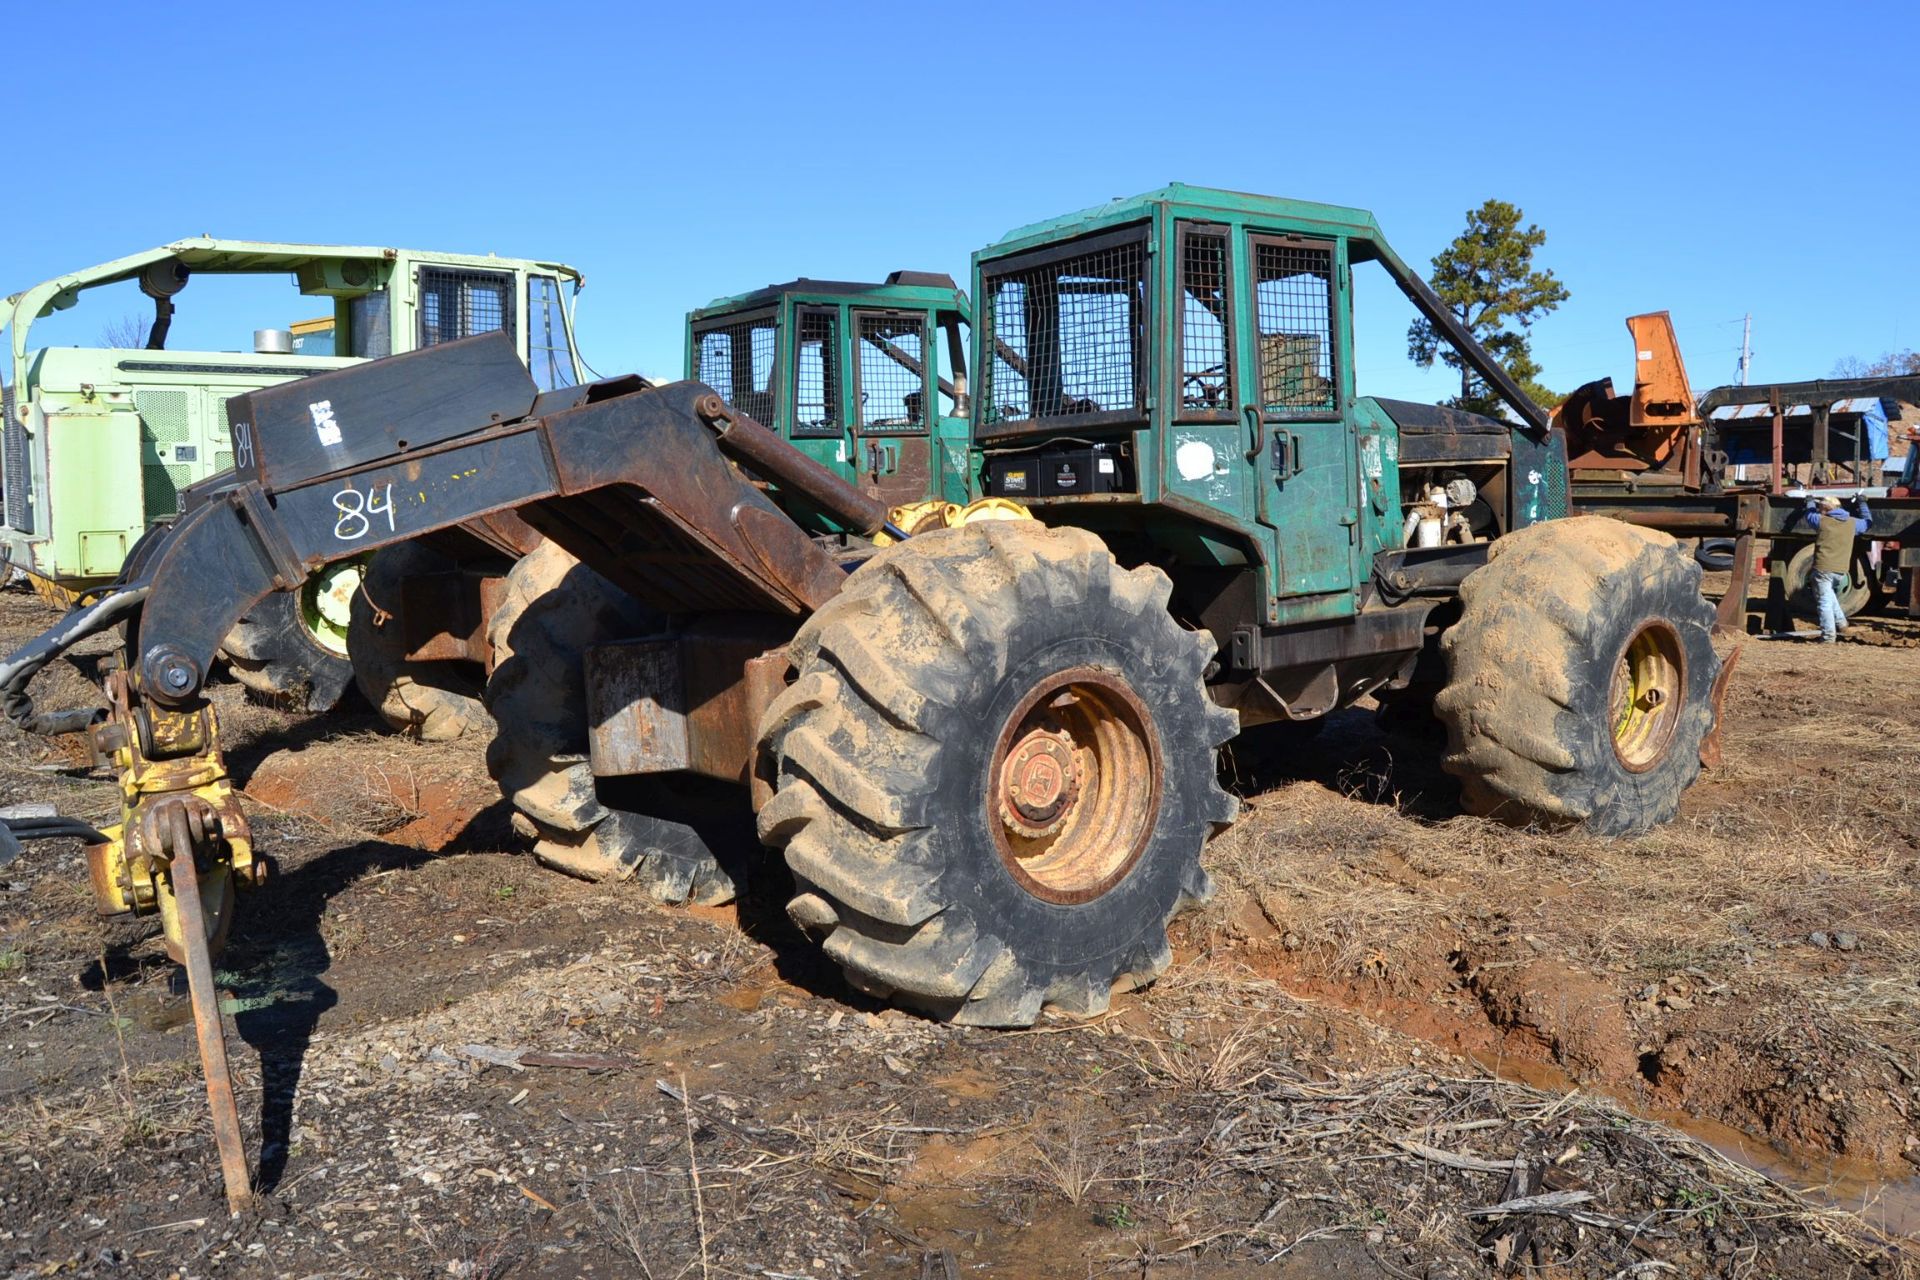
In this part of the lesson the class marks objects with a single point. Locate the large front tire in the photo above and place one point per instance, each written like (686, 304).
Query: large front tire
(994, 773)
(292, 646)
(553, 610)
(430, 701)
(1581, 678)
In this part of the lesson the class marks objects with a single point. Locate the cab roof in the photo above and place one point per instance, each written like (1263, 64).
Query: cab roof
(1183, 197)
(240, 257)
(906, 286)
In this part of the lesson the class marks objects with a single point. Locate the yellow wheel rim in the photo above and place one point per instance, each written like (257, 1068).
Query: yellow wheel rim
(1649, 690)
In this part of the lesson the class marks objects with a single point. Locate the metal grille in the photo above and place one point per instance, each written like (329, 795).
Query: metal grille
(458, 304)
(370, 321)
(893, 372)
(1293, 293)
(1065, 335)
(160, 486)
(16, 469)
(1206, 373)
(736, 360)
(816, 381)
(223, 460)
(163, 416)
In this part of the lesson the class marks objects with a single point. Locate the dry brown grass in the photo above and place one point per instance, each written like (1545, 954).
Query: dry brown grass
(1355, 887)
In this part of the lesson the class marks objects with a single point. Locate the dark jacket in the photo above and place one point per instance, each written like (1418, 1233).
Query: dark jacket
(1833, 549)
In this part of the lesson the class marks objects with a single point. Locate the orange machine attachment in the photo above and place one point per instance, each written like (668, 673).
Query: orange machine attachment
(1656, 429)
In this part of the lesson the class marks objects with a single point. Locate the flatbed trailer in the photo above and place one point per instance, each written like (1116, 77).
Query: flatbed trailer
(1748, 514)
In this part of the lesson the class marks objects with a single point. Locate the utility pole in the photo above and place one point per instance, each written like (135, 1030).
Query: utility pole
(1746, 351)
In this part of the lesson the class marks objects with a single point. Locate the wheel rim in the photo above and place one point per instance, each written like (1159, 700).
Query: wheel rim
(326, 604)
(1649, 689)
(1074, 786)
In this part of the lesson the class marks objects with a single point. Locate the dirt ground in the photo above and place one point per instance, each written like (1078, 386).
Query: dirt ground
(1693, 1053)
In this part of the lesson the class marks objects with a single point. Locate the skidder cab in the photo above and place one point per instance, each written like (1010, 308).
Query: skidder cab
(869, 380)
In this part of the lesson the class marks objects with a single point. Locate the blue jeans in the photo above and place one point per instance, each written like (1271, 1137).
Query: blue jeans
(1826, 588)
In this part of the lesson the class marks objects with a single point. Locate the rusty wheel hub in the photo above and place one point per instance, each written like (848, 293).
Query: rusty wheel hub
(1039, 784)
(1074, 786)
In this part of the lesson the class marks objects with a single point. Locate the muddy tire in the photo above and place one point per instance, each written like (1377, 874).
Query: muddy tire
(429, 701)
(1580, 678)
(288, 651)
(994, 773)
(553, 610)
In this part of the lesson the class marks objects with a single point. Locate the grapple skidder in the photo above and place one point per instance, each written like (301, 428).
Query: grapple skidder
(985, 747)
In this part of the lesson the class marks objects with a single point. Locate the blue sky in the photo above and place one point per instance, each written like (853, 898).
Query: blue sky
(1709, 159)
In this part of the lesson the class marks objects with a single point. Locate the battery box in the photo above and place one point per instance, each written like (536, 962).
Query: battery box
(1059, 472)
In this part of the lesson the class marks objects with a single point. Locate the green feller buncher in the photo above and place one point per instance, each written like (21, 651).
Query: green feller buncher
(985, 746)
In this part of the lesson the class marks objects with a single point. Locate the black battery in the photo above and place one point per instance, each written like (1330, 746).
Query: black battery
(1091, 469)
(1013, 475)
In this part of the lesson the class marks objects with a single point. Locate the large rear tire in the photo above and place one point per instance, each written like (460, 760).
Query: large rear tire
(430, 701)
(662, 834)
(1580, 678)
(292, 646)
(994, 773)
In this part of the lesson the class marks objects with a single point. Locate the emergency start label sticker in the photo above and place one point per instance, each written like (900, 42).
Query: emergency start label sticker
(323, 424)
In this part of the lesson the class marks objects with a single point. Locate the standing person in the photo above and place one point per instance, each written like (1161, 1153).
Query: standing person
(1833, 557)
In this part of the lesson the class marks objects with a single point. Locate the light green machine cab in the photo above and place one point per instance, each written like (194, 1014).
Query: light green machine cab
(870, 380)
(99, 441)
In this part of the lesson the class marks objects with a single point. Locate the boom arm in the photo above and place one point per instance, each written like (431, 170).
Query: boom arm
(1478, 358)
(631, 479)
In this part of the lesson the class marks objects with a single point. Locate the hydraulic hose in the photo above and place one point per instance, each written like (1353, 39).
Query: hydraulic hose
(15, 830)
(18, 671)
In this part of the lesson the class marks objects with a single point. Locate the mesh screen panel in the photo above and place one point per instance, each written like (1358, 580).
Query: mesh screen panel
(160, 486)
(1065, 335)
(16, 473)
(816, 386)
(1293, 294)
(371, 319)
(458, 304)
(736, 360)
(893, 352)
(1206, 373)
(163, 416)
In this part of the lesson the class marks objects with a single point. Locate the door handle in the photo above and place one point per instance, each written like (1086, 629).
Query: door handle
(1294, 465)
(1257, 439)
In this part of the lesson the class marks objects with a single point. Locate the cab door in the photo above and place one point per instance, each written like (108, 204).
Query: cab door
(1291, 406)
(893, 400)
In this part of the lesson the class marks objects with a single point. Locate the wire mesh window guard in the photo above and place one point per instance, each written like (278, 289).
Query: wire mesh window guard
(549, 356)
(458, 304)
(369, 321)
(16, 468)
(1065, 333)
(893, 377)
(736, 360)
(816, 390)
(1206, 340)
(1293, 294)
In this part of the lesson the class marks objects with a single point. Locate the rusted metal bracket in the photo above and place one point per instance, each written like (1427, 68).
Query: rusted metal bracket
(1731, 618)
(180, 825)
(1710, 752)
